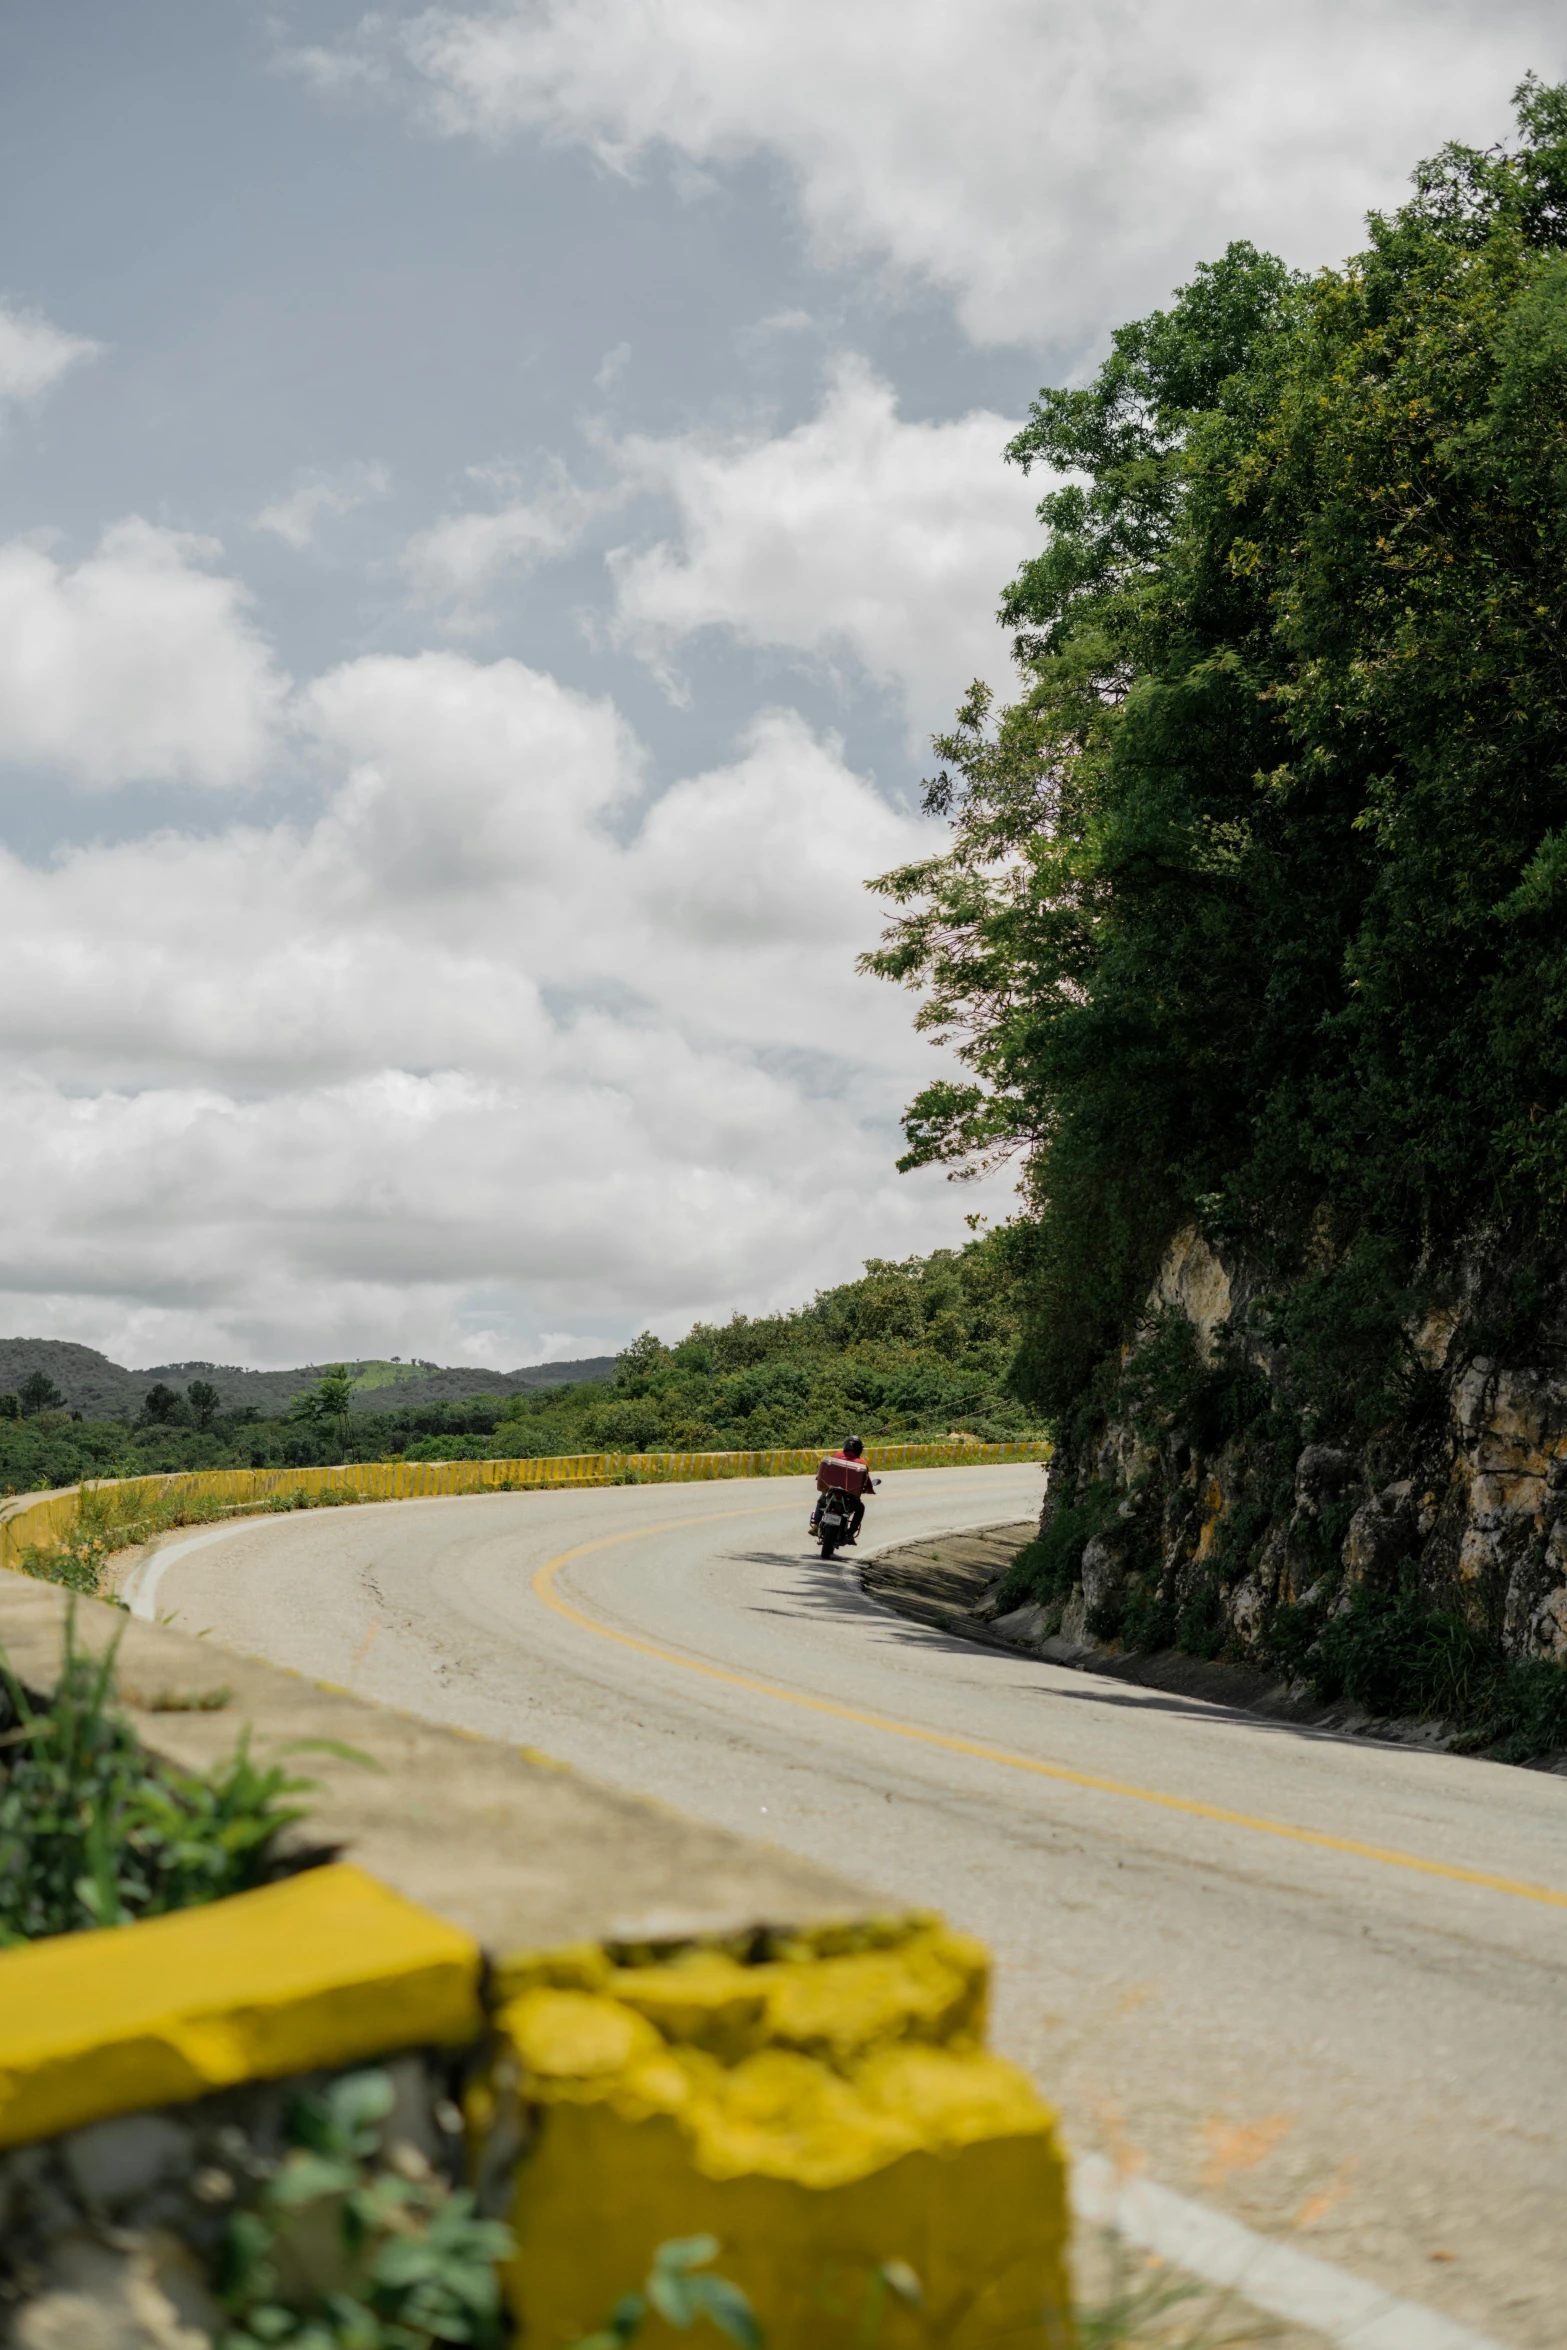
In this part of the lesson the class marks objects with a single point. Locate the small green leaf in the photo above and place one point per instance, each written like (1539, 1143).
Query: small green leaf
(307, 2178)
(625, 2321)
(270, 2323)
(361, 2099)
(332, 1746)
(670, 2291)
(729, 2310)
(682, 2252)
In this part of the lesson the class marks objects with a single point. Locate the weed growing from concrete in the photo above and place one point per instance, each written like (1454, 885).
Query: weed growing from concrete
(680, 2290)
(1138, 2303)
(93, 1832)
(1142, 2305)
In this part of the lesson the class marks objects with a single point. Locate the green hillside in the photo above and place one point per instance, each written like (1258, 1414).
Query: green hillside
(87, 1382)
(921, 1348)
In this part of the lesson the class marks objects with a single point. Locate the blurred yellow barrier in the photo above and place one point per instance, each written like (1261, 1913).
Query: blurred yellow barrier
(820, 2115)
(321, 1969)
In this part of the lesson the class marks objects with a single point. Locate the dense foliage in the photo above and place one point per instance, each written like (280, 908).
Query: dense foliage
(94, 1833)
(913, 1349)
(356, 2241)
(1252, 913)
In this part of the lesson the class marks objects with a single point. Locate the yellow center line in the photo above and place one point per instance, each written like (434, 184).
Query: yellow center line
(544, 1588)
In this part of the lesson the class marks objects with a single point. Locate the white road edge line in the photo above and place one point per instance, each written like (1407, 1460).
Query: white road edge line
(1288, 2284)
(140, 1590)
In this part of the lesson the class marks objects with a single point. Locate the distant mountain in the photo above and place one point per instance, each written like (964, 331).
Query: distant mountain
(102, 1390)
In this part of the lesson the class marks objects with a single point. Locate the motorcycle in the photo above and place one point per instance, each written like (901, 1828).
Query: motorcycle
(833, 1520)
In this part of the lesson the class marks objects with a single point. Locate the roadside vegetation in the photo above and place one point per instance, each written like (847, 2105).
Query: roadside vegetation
(352, 2243)
(914, 1349)
(1252, 915)
(113, 1518)
(1251, 926)
(94, 1832)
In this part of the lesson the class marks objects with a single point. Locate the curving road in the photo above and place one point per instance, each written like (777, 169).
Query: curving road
(1315, 1983)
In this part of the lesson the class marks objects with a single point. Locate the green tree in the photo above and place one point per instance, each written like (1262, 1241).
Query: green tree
(327, 1405)
(1252, 908)
(644, 1355)
(164, 1406)
(38, 1393)
(204, 1401)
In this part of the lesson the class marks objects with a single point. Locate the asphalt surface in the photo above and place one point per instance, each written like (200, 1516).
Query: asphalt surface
(1362, 2057)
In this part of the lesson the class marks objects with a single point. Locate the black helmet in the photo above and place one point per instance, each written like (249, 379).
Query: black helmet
(852, 1448)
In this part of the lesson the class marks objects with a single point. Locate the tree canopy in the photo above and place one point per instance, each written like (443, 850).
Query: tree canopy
(1252, 909)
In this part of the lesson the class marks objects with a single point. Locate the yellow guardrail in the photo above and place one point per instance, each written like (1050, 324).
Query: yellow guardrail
(41, 1522)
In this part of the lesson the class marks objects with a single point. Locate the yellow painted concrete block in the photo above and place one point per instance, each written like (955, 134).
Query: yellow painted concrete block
(929, 1984)
(931, 1988)
(581, 1966)
(323, 1969)
(888, 2135)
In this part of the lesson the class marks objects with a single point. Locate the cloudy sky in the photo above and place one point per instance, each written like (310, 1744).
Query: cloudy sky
(492, 504)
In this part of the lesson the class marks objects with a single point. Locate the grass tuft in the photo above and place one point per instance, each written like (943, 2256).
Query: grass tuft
(95, 1833)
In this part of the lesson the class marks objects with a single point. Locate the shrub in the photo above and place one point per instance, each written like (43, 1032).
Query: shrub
(93, 1833)
(354, 2245)
(1048, 1566)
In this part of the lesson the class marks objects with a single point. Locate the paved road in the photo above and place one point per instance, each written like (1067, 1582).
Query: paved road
(1366, 2058)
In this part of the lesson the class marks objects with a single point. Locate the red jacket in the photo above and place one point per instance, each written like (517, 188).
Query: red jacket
(842, 1476)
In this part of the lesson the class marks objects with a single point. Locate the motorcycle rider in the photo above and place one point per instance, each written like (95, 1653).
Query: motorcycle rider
(845, 1472)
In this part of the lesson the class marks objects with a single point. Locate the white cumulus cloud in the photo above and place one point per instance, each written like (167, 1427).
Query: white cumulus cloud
(135, 663)
(858, 533)
(467, 776)
(456, 562)
(296, 518)
(34, 354)
(1042, 160)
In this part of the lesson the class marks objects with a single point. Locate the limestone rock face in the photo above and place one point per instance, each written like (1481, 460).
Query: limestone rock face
(1102, 1572)
(1464, 1496)
(1381, 1533)
(1194, 1280)
(1026, 1626)
(1322, 1473)
(1073, 1634)
(1548, 1626)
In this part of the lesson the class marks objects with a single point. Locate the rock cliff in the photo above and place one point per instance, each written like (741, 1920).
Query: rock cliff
(1205, 1502)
